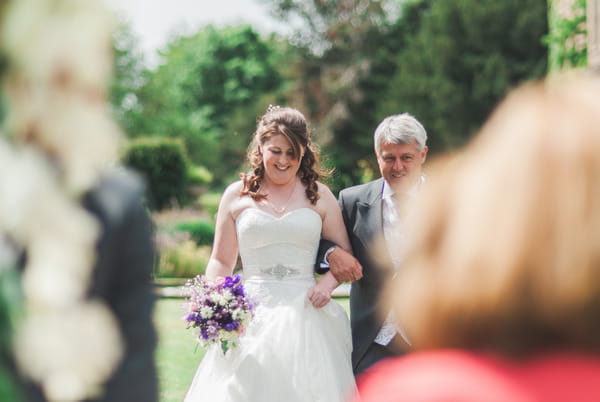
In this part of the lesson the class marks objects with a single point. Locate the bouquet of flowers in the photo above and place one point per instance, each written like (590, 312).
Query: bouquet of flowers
(218, 310)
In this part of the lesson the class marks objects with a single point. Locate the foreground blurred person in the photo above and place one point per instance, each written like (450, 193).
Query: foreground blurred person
(500, 290)
(74, 222)
(297, 348)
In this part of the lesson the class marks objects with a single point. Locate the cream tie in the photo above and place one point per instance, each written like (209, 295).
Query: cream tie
(394, 214)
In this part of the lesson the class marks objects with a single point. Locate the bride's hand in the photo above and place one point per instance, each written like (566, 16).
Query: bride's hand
(319, 295)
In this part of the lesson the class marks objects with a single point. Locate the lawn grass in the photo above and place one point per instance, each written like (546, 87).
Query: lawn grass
(178, 355)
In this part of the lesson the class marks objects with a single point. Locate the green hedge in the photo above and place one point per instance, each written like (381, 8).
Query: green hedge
(203, 233)
(164, 164)
(199, 175)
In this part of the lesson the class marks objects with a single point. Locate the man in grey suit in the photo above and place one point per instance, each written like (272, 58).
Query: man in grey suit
(372, 211)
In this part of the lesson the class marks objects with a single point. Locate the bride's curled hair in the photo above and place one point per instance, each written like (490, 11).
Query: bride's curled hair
(292, 124)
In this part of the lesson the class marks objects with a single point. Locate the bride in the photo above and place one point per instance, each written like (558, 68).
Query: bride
(298, 346)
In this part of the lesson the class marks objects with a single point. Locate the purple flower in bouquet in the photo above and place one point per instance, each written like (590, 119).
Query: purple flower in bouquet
(219, 311)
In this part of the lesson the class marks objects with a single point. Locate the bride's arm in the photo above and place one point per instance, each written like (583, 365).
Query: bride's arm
(334, 230)
(225, 246)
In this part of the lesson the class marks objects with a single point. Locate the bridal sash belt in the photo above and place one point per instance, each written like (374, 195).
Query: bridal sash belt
(280, 271)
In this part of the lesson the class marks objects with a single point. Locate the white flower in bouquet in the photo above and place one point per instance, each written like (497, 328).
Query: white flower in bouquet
(206, 312)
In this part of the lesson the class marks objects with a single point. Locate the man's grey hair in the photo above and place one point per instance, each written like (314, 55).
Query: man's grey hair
(400, 129)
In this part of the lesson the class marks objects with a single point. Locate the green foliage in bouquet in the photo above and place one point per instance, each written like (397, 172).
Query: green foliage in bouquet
(164, 164)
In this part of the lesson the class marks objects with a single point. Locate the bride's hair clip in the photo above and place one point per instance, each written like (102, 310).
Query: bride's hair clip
(272, 108)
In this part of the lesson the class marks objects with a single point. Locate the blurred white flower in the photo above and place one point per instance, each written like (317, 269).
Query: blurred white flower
(59, 58)
(61, 61)
(49, 38)
(8, 255)
(81, 352)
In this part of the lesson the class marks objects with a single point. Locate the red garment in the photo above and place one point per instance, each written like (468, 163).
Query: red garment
(453, 376)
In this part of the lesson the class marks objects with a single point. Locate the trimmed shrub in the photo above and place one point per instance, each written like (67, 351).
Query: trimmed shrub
(203, 233)
(199, 175)
(164, 163)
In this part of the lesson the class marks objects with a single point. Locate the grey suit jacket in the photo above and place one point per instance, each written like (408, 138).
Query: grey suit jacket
(361, 207)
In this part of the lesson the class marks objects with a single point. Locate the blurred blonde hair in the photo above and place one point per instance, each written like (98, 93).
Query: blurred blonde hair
(504, 250)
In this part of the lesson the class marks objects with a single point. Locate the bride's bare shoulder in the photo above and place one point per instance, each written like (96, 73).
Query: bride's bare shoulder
(231, 195)
(233, 201)
(233, 189)
(326, 200)
(325, 192)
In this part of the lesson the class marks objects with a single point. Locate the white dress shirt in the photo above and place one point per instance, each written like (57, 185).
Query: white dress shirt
(395, 235)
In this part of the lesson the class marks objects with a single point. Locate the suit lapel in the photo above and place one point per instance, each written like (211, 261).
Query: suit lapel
(369, 220)
(369, 223)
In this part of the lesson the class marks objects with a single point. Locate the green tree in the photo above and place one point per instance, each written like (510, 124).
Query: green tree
(206, 91)
(446, 62)
(462, 60)
(353, 138)
(342, 59)
(128, 70)
(567, 38)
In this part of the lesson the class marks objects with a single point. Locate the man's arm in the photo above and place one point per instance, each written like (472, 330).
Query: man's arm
(321, 264)
(344, 266)
(341, 263)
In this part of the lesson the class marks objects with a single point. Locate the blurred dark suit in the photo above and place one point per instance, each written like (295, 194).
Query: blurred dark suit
(122, 278)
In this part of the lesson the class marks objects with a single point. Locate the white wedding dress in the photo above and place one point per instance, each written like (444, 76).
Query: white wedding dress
(292, 351)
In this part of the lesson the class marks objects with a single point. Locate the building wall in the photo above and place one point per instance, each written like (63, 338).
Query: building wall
(593, 37)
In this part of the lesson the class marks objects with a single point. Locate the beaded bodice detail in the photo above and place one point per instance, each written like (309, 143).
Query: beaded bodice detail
(280, 248)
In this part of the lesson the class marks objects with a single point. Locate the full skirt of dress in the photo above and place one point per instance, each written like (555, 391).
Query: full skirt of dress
(291, 352)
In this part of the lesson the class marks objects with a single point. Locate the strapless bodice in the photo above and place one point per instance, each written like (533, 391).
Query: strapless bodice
(279, 248)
